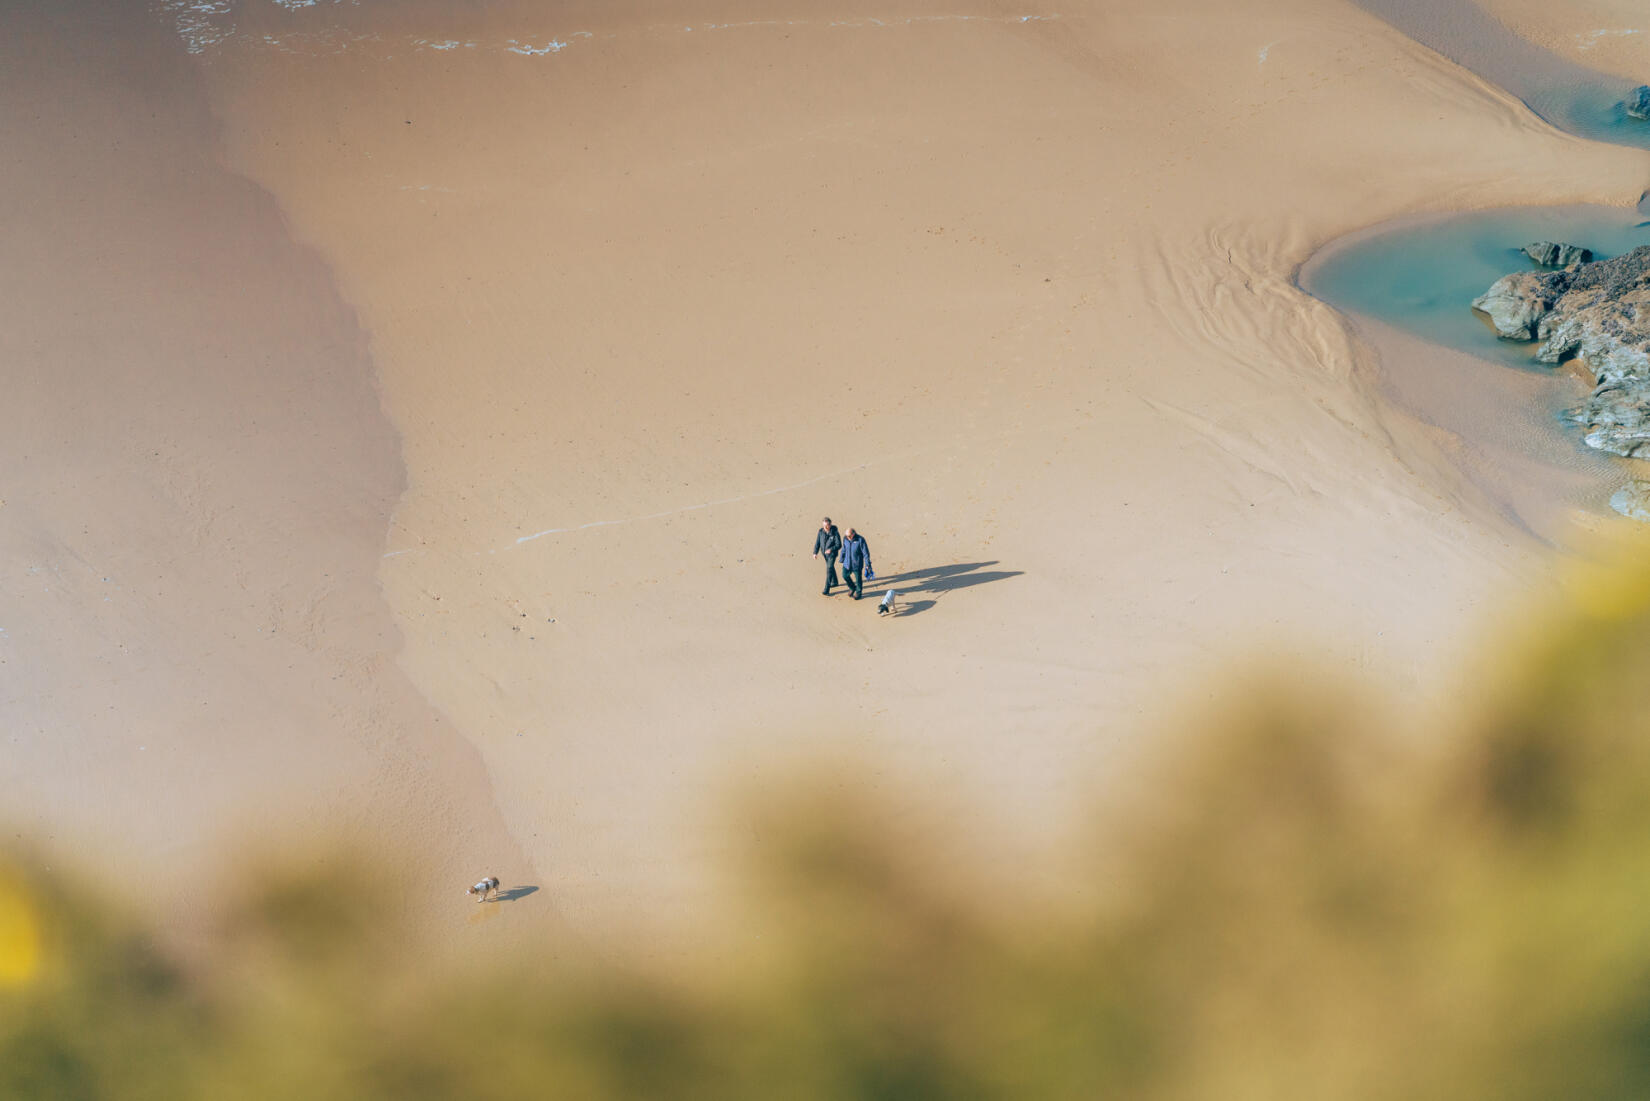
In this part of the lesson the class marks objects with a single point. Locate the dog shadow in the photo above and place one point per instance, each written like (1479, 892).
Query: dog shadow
(513, 894)
(913, 607)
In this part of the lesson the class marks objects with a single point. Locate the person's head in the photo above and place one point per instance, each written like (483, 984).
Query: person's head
(850, 533)
(825, 523)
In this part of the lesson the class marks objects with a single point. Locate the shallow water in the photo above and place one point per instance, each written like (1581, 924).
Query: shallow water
(1421, 275)
(1572, 97)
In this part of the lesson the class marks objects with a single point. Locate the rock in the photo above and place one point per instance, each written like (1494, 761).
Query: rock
(1551, 254)
(1600, 313)
(1637, 103)
(1633, 501)
(1517, 303)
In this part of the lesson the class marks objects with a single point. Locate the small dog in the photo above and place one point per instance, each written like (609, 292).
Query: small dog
(488, 886)
(887, 605)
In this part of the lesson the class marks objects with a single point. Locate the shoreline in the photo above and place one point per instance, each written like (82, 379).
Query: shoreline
(1559, 89)
(1609, 34)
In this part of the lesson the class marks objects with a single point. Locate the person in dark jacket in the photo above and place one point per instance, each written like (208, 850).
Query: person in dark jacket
(828, 542)
(856, 556)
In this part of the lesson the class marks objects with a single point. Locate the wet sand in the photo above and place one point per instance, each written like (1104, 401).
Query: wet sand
(196, 657)
(1557, 80)
(1500, 429)
(1611, 35)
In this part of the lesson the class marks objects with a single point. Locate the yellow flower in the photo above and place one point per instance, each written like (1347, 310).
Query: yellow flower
(19, 933)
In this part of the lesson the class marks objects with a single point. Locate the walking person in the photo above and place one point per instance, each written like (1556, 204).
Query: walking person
(856, 559)
(828, 542)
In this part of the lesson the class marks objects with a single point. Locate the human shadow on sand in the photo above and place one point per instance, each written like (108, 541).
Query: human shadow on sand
(936, 580)
(513, 893)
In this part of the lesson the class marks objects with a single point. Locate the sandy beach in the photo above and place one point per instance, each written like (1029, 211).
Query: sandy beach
(450, 398)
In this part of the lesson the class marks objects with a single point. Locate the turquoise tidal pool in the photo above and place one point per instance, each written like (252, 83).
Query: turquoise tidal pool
(1421, 275)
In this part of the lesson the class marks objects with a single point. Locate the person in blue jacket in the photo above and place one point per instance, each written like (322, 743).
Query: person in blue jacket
(856, 558)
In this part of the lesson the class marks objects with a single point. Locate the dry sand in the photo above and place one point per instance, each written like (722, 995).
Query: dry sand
(1007, 287)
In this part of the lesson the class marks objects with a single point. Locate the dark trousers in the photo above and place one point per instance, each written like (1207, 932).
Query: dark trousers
(830, 572)
(855, 580)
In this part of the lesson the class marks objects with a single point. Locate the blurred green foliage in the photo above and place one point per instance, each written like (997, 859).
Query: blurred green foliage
(1314, 907)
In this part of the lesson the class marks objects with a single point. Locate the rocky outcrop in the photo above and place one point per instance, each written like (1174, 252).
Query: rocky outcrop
(1637, 103)
(1551, 254)
(1598, 313)
(1517, 303)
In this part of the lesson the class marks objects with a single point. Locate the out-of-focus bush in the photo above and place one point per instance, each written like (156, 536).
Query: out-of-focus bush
(1314, 908)
(88, 1009)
